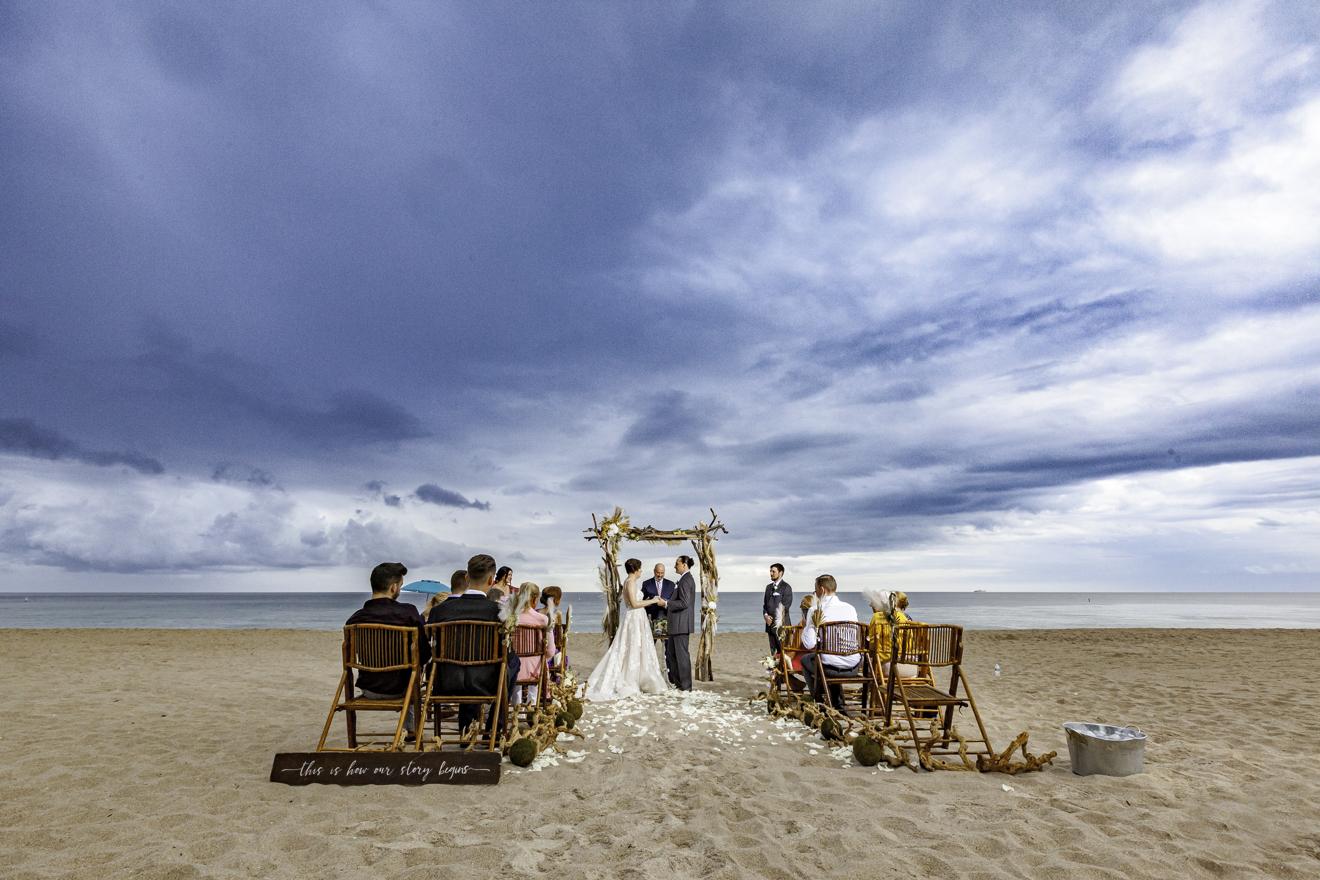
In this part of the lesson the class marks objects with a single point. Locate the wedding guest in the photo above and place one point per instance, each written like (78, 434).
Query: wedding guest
(473, 605)
(776, 604)
(503, 587)
(384, 607)
(458, 582)
(881, 632)
(556, 595)
(829, 609)
(531, 666)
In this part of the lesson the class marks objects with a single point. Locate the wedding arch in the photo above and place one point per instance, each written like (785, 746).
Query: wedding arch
(614, 529)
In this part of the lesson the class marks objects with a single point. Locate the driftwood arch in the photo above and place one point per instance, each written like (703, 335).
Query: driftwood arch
(614, 529)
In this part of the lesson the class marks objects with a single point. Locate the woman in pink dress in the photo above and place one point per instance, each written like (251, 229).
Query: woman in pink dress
(531, 666)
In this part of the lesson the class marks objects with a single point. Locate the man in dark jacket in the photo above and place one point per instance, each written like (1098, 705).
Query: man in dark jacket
(384, 607)
(777, 605)
(472, 604)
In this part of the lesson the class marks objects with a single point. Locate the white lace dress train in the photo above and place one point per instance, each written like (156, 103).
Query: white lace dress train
(630, 665)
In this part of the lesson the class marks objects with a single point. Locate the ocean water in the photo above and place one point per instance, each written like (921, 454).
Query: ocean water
(739, 612)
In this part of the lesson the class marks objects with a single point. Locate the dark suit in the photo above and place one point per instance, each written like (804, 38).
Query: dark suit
(393, 613)
(776, 598)
(649, 591)
(470, 680)
(680, 614)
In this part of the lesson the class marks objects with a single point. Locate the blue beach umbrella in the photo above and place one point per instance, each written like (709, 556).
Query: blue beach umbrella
(430, 588)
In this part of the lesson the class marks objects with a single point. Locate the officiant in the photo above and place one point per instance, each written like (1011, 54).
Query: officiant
(777, 606)
(658, 587)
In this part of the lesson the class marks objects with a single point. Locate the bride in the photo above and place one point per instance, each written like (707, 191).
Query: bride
(629, 666)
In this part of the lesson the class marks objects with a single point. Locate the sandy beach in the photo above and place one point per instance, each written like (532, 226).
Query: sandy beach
(146, 754)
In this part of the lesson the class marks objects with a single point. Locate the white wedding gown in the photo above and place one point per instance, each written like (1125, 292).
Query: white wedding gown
(629, 666)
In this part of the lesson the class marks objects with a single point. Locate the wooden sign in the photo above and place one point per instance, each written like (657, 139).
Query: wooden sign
(386, 768)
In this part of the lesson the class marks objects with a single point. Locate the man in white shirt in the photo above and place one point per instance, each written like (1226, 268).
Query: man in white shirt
(829, 608)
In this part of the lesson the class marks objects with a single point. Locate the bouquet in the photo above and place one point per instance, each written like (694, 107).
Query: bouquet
(660, 627)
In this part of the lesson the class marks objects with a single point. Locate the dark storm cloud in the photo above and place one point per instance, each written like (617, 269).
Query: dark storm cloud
(234, 472)
(377, 490)
(673, 419)
(902, 391)
(26, 437)
(918, 336)
(1287, 426)
(215, 383)
(433, 494)
(945, 487)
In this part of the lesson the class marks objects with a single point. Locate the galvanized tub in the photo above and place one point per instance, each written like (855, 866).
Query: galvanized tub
(1105, 749)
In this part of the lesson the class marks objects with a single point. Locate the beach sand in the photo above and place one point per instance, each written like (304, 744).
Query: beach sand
(147, 753)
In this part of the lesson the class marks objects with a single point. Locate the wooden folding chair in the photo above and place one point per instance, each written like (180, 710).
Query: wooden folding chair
(532, 648)
(847, 639)
(790, 645)
(917, 704)
(919, 647)
(464, 643)
(375, 647)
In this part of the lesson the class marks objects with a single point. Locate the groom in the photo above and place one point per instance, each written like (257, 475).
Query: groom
(678, 611)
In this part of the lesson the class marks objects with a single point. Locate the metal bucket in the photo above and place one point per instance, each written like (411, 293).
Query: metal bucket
(1105, 749)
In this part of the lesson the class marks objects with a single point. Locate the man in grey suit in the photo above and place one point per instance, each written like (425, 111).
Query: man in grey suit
(679, 612)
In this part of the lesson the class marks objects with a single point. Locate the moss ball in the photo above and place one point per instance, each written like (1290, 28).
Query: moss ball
(523, 752)
(867, 751)
(575, 709)
(829, 730)
(565, 719)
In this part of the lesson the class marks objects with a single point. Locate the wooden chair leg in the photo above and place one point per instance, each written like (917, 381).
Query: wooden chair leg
(907, 709)
(330, 717)
(501, 699)
(948, 710)
(976, 713)
(350, 722)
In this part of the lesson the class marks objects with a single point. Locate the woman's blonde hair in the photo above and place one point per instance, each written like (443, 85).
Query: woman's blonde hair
(531, 591)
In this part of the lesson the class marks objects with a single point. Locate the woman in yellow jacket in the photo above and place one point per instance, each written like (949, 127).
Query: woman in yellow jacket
(881, 630)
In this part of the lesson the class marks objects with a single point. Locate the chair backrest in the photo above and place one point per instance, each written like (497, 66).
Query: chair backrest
(563, 623)
(790, 638)
(529, 641)
(379, 647)
(841, 637)
(929, 644)
(466, 642)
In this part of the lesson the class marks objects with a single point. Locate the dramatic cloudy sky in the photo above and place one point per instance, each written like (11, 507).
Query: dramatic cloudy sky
(932, 295)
